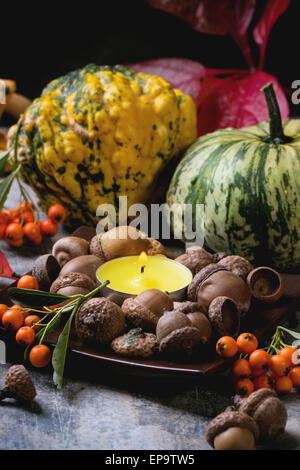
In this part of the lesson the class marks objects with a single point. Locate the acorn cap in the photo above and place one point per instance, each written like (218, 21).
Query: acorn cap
(267, 410)
(18, 383)
(237, 265)
(138, 315)
(119, 241)
(227, 420)
(45, 270)
(219, 256)
(136, 343)
(265, 284)
(195, 258)
(189, 307)
(145, 309)
(224, 316)
(95, 248)
(248, 405)
(180, 342)
(99, 320)
(156, 248)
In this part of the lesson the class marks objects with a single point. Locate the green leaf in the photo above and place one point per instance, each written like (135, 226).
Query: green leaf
(35, 298)
(60, 351)
(3, 160)
(52, 325)
(27, 351)
(293, 333)
(5, 185)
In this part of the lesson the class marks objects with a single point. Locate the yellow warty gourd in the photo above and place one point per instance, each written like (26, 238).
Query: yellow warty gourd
(99, 133)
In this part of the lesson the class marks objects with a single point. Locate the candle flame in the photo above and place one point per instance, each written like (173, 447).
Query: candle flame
(143, 257)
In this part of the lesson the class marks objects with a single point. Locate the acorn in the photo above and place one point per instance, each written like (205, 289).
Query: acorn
(67, 248)
(265, 284)
(236, 264)
(86, 264)
(267, 410)
(224, 316)
(198, 319)
(18, 384)
(232, 430)
(176, 335)
(136, 343)
(145, 309)
(99, 320)
(220, 255)
(195, 258)
(119, 241)
(73, 283)
(215, 281)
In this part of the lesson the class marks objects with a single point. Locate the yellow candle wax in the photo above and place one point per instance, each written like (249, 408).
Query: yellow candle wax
(135, 274)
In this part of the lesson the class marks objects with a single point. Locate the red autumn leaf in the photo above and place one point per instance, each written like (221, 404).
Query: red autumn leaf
(214, 17)
(184, 74)
(273, 10)
(211, 16)
(5, 269)
(236, 101)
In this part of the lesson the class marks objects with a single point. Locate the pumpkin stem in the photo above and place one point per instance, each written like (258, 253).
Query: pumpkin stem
(276, 130)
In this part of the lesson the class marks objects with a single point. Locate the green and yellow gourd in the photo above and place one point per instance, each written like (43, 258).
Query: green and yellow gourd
(99, 133)
(249, 182)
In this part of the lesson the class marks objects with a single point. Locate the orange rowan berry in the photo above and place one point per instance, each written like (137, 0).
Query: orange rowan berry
(226, 347)
(25, 335)
(40, 355)
(27, 282)
(247, 343)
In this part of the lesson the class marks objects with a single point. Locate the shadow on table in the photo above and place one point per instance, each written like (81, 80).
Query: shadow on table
(33, 407)
(206, 395)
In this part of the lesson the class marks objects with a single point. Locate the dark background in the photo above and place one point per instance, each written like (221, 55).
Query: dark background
(42, 42)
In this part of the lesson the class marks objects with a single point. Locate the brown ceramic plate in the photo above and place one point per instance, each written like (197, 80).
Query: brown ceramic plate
(259, 321)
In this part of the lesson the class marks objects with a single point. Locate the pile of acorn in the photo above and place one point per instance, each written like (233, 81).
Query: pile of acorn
(218, 296)
(257, 418)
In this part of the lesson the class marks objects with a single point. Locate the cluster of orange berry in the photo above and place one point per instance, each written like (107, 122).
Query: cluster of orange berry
(259, 369)
(19, 319)
(21, 223)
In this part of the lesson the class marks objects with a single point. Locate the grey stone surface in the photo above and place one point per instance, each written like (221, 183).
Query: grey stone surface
(102, 409)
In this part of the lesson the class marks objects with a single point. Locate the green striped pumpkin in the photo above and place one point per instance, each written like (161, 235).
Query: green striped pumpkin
(249, 182)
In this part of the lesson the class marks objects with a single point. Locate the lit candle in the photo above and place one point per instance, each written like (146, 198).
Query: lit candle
(132, 275)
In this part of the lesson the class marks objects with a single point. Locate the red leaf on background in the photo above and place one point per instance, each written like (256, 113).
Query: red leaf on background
(5, 269)
(211, 16)
(273, 10)
(236, 101)
(214, 17)
(184, 74)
